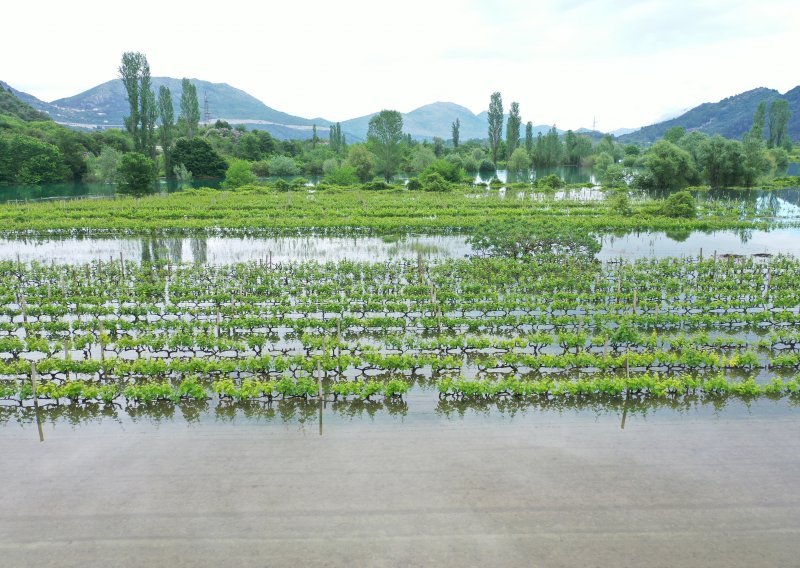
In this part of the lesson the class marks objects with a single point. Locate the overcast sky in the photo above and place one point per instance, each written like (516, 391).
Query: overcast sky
(626, 62)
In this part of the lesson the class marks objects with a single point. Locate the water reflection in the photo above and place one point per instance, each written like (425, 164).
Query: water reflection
(230, 250)
(76, 190)
(303, 414)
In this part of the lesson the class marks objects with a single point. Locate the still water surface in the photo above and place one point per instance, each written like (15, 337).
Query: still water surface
(225, 250)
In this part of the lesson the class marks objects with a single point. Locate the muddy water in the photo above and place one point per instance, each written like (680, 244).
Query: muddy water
(703, 485)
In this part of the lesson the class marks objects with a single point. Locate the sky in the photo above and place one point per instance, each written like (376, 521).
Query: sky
(621, 63)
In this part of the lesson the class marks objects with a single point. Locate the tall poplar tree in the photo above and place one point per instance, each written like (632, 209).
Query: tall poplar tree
(456, 130)
(166, 114)
(495, 123)
(529, 137)
(148, 111)
(129, 73)
(778, 121)
(140, 123)
(190, 107)
(512, 129)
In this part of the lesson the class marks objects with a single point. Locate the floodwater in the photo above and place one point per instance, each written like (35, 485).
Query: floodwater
(226, 250)
(707, 485)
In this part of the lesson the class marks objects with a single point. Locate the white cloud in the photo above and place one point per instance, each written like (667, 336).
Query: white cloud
(625, 61)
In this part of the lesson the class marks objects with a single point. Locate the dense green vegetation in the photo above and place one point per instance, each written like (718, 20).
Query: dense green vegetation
(45, 152)
(282, 208)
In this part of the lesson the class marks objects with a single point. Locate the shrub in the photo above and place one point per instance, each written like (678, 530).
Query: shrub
(471, 165)
(435, 182)
(614, 177)
(680, 204)
(414, 184)
(551, 181)
(445, 168)
(283, 166)
(260, 168)
(199, 157)
(376, 185)
(519, 161)
(343, 175)
(136, 173)
(486, 165)
(238, 174)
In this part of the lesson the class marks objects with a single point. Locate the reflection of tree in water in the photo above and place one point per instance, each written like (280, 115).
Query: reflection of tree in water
(156, 249)
(678, 234)
(744, 235)
(518, 177)
(199, 246)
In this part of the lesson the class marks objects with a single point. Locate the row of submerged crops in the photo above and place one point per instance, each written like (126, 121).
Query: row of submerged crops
(471, 329)
(352, 211)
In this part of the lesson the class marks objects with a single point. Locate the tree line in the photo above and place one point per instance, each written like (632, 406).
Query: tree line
(157, 141)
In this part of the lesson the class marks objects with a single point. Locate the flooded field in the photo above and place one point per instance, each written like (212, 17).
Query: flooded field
(229, 250)
(710, 486)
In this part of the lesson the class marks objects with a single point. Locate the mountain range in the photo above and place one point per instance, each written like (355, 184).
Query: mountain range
(731, 117)
(105, 105)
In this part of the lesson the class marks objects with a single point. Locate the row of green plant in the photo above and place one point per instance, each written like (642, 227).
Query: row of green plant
(647, 385)
(642, 385)
(192, 388)
(372, 361)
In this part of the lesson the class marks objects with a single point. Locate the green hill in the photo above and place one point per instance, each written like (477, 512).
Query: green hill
(12, 105)
(731, 117)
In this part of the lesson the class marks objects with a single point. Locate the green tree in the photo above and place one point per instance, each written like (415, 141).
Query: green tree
(140, 123)
(166, 114)
(239, 173)
(314, 138)
(759, 121)
(680, 204)
(529, 138)
(456, 131)
(512, 129)
(336, 138)
(283, 166)
(129, 72)
(199, 158)
(25, 159)
(384, 134)
(421, 158)
(190, 107)
(519, 161)
(136, 174)
(602, 163)
(668, 166)
(778, 121)
(723, 162)
(495, 119)
(549, 149)
(753, 144)
(148, 114)
(576, 148)
(103, 168)
(362, 160)
(344, 175)
(674, 134)
(446, 169)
